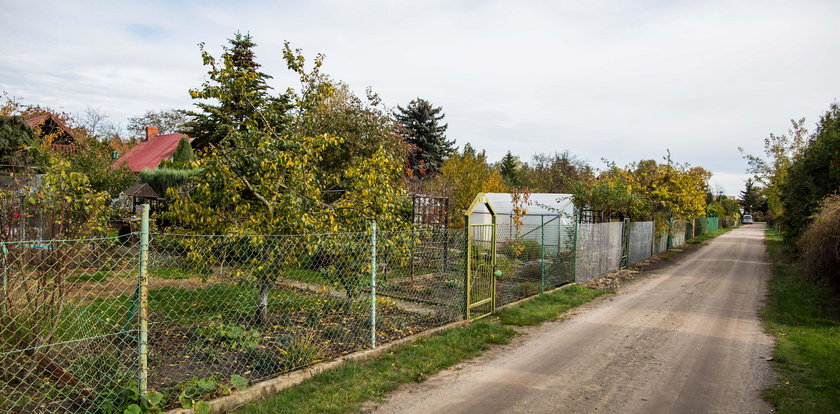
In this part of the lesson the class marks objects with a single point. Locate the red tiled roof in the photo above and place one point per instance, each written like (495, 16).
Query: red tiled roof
(149, 153)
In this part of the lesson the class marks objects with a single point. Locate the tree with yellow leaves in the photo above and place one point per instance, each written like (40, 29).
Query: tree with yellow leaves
(464, 175)
(313, 174)
(647, 189)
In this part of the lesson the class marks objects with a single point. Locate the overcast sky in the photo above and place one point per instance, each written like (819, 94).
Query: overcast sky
(621, 80)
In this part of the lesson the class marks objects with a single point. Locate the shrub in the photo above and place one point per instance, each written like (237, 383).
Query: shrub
(523, 249)
(531, 271)
(525, 289)
(161, 179)
(302, 350)
(505, 265)
(263, 362)
(232, 337)
(820, 244)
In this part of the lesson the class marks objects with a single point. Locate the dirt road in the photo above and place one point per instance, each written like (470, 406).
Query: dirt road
(684, 339)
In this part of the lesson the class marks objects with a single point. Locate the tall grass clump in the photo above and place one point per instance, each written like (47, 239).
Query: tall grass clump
(819, 246)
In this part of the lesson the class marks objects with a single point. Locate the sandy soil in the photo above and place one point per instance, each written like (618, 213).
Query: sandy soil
(683, 339)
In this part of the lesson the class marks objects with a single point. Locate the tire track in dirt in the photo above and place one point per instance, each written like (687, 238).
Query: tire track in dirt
(685, 339)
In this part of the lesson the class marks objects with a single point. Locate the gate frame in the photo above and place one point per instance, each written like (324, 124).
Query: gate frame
(479, 200)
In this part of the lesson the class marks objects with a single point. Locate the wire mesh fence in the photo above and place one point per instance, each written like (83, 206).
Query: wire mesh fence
(220, 312)
(67, 338)
(533, 257)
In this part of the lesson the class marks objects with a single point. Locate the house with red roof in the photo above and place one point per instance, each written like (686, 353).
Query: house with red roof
(151, 152)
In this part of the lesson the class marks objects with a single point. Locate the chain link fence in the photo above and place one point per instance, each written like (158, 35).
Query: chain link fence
(89, 325)
(535, 256)
(68, 324)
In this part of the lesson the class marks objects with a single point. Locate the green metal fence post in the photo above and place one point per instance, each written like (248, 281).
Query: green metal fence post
(467, 269)
(670, 242)
(144, 302)
(575, 247)
(373, 284)
(542, 254)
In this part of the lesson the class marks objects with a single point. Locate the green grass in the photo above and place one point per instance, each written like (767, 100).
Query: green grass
(179, 306)
(805, 320)
(345, 388)
(160, 272)
(186, 306)
(97, 276)
(172, 273)
(547, 307)
(306, 275)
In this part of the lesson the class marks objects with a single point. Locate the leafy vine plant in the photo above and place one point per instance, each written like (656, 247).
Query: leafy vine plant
(519, 200)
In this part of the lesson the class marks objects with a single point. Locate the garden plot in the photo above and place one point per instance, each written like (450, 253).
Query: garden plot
(526, 266)
(199, 328)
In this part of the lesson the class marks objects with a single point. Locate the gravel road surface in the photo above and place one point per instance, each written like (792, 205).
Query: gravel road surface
(684, 339)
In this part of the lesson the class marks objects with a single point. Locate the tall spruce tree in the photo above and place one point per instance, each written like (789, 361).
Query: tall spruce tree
(509, 168)
(423, 130)
(750, 197)
(236, 97)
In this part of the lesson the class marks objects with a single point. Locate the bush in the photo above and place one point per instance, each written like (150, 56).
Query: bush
(531, 270)
(161, 179)
(523, 249)
(264, 362)
(232, 337)
(820, 244)
(304, 349)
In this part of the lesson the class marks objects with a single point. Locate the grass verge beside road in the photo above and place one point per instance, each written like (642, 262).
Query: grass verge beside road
(805, 320)
(547, 307)
(347, 387)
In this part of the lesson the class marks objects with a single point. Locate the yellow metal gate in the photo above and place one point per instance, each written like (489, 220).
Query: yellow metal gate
(481, 266)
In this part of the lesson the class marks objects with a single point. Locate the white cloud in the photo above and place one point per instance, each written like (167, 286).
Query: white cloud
(732, 184)
(612, 79)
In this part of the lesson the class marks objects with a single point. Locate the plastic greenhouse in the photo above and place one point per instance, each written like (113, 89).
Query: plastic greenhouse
(544, 212)
(528, 252)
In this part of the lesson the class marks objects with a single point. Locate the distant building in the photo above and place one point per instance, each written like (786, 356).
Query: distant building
(151, 152)
(61, 138)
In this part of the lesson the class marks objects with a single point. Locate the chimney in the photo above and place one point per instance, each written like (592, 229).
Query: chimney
(150, 132)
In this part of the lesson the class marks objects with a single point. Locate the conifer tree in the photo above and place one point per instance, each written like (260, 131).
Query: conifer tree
(509, 168)
(236, 97)
(750, 197)
(183, 154)
(423, 130)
